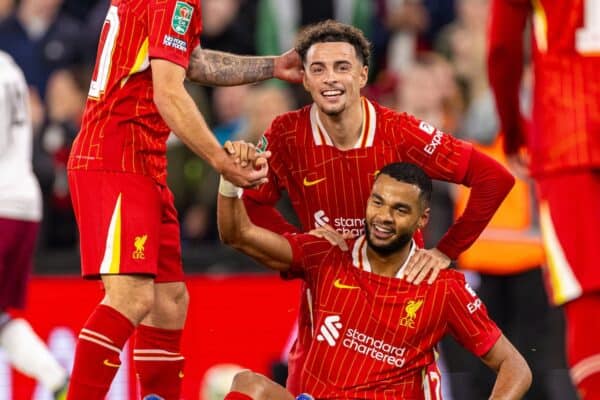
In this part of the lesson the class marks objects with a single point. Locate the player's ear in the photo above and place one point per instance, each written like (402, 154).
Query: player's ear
(304, 79)
(364, 76)
(424, 218)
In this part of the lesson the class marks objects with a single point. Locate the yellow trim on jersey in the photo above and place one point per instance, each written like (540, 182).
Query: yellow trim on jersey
(141, 61)
(565, 286)
(111, 261)
(540, 25)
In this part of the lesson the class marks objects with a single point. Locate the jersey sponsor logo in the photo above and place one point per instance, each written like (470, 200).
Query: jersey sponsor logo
(435, 142)
(182, 15)
(175, 43)
(330, 330)
(139, 243)
(426, 127)
(338, 284)
(476, 303)
(352, 226)
(374, 348)
(411, 313)
(306, 182)
(109, 364)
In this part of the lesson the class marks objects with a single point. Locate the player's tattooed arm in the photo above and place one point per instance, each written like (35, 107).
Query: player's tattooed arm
(215, 68)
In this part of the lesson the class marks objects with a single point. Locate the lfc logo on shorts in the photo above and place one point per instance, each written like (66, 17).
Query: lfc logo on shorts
(139, 243)
(411, 313)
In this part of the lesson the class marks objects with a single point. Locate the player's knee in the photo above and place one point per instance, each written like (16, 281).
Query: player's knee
(135, 302)
(251, 384)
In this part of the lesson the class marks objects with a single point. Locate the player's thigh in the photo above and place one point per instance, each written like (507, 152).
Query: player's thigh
(119, 216)
(16, 254)
(170, 266)
(570, 231)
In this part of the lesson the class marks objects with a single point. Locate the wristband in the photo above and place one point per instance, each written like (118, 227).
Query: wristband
(228, 189)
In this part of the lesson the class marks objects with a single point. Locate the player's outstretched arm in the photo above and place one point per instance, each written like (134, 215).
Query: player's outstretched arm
(514, 376)
(180, 113)
(216, 68)
(237, 231)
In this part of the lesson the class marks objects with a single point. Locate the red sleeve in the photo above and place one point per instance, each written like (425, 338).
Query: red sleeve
(174, 28)
(490, 183)
(505, 66)
(441, 156)
(468, 319)
(308, 252)
(260, 202)
(266, 215)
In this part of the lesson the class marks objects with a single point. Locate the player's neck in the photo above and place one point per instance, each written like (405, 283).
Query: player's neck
(345, 128)
(388, 265)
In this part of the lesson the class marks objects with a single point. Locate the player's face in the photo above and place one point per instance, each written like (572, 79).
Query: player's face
(334, 75)
(394, 213)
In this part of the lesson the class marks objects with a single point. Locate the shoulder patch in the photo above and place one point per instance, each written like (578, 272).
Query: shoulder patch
(262, 144)
(182, 15)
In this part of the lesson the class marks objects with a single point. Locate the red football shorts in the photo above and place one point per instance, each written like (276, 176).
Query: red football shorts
(127, 225)
(570, 222)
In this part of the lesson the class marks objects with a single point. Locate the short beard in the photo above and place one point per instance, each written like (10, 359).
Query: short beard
(392, 247)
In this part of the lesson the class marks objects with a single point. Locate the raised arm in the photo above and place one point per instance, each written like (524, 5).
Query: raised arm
(514, 376)
(215, 68)
(237, 231)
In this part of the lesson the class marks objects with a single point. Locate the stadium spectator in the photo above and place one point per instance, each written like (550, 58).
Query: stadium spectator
(364, 314)
(41, 39)
(341, 131)
(129, 233)
(564, 146)
(20, 215)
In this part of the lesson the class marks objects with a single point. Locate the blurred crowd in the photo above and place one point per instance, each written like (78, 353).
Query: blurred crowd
(429, 60)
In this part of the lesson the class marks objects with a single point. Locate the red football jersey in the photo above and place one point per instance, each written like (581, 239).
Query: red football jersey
(372, 336)
(328, 185)
(566, 61)
(121, 128)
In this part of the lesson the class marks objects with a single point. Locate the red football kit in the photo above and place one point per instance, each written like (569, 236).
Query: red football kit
(564, 145)
(373, 336)
(328, 185)
(117, 166)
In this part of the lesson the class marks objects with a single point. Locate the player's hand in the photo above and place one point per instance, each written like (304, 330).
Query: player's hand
(288, 67)
(245, 153)
(332, 236)
(248, 177)
(518, 164)
(425, 262)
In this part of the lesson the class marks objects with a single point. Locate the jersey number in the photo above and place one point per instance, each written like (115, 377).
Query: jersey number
(587, 38)
(110, 29)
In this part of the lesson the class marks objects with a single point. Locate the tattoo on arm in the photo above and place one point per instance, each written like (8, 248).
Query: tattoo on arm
(214, 68)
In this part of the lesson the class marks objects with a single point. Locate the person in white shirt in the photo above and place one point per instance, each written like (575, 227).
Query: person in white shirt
(20, 215)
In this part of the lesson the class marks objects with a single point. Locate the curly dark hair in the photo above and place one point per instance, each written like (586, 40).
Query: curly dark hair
(333, 31)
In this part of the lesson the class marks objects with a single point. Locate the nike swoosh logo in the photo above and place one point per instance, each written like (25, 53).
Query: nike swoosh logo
(312, 183)
(338, 284)
(109, 364)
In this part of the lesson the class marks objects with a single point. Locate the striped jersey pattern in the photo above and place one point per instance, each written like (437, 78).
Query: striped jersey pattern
(566, 114)
(372, 336)
(328, 185)
(121, 128)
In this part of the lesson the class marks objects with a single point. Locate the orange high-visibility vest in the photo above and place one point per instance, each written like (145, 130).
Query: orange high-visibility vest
(511, 243)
